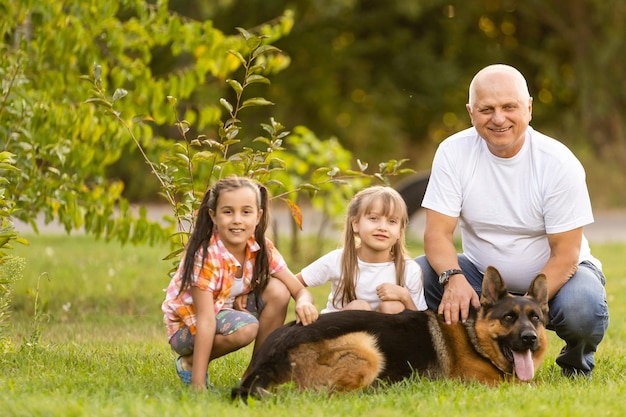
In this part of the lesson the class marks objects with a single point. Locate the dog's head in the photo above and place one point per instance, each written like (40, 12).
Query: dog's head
(511, 329)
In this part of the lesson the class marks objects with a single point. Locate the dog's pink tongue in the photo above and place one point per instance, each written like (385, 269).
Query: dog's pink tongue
(524, 367)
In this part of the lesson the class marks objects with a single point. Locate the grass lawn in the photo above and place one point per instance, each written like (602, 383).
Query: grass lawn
(98, 348)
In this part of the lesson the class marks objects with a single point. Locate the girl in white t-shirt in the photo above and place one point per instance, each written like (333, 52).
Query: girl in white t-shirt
(372, 271)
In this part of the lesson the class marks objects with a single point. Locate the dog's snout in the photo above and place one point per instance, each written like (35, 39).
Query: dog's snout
(529, 337)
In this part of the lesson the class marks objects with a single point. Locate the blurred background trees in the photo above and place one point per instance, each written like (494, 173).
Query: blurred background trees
(390, 78)
(382, 79)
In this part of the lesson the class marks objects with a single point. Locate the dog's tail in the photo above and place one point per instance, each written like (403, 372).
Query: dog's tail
(348, 362)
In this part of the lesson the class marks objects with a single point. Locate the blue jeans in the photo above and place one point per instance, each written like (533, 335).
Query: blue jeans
(579, 312)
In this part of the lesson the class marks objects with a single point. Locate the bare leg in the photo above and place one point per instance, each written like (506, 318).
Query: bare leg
(391, 307)
(276, 298)
(358, 305)
(224, 344)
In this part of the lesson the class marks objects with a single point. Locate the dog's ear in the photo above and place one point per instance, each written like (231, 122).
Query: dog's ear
(493, 287)
(539, 291)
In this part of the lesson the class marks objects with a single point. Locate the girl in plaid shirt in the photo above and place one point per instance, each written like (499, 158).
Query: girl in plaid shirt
(232, 285)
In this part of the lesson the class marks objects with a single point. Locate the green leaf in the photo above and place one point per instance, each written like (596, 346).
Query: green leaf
(253, 42)
(231, 142)
(97, 71)
(264, 49)
(246, 35)
(22, 240)
(226, 105)
(235, 86)
(261, 139)
(257, 101)
(99, 102)
(256, 68)
(405, 171)
(310, 187)
(231, 133)
(174, 254)
(255, 78)
(8, 167)
(119, 93)
(240, 57)
(183, 157)
(203, 156)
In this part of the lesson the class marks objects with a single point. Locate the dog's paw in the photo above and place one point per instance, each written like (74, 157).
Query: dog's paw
(244, 394)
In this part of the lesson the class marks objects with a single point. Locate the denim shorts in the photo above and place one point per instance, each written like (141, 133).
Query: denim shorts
(228, 321)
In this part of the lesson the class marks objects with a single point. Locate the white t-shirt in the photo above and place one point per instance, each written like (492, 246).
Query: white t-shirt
(506, 206)
(328, 268)
(235, 291)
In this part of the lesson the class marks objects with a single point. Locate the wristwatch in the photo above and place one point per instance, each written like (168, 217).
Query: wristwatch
(445, 275)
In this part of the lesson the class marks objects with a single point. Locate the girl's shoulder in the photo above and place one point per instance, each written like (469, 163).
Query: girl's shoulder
(411, 267)
(413, 279)
(328, 259)
(331, 256)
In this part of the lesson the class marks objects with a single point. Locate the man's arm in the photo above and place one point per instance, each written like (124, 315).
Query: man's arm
(563, 261)
(442, 255)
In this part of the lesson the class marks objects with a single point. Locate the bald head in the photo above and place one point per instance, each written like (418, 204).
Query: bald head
(492, 76)
(500, 107)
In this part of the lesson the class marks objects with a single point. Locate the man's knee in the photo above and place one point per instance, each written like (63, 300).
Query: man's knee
(580, 320)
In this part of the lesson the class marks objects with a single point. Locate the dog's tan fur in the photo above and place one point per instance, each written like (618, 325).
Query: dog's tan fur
(345, 363)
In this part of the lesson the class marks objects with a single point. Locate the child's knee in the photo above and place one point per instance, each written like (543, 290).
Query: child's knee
(246, 334)
(358, 305)
(276, 292)
(391, 307)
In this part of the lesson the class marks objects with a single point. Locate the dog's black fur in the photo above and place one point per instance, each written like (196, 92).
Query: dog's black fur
(350, 349)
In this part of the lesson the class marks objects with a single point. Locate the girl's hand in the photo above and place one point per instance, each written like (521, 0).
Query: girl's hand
(240, 303)
(306, 313)
(391, 292)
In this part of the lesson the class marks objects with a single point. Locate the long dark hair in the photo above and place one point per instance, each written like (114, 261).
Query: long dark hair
(204, 227)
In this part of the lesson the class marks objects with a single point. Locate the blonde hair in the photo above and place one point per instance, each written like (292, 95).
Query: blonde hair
(360, 205)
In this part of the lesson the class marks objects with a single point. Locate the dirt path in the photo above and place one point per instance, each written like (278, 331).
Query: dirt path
(609, 225)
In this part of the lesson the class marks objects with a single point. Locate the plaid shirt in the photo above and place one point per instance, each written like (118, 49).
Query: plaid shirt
(217, 275)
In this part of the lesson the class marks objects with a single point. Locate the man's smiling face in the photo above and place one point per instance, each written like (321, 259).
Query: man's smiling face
(501, 109)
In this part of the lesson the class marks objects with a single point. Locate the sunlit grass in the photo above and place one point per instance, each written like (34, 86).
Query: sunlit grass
(102, 351)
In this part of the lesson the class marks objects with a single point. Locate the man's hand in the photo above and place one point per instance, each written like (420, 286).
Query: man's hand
(457, 297)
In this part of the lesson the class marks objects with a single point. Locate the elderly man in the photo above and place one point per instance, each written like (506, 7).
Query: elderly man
(521, 202)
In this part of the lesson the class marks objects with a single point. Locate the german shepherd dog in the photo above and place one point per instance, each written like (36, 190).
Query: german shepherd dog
(349, 350)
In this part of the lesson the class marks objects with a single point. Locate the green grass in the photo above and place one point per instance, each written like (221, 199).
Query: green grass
(100, 349)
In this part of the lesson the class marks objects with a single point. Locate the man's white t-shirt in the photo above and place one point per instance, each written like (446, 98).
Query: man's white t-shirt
(328, 268)
(507, 206)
